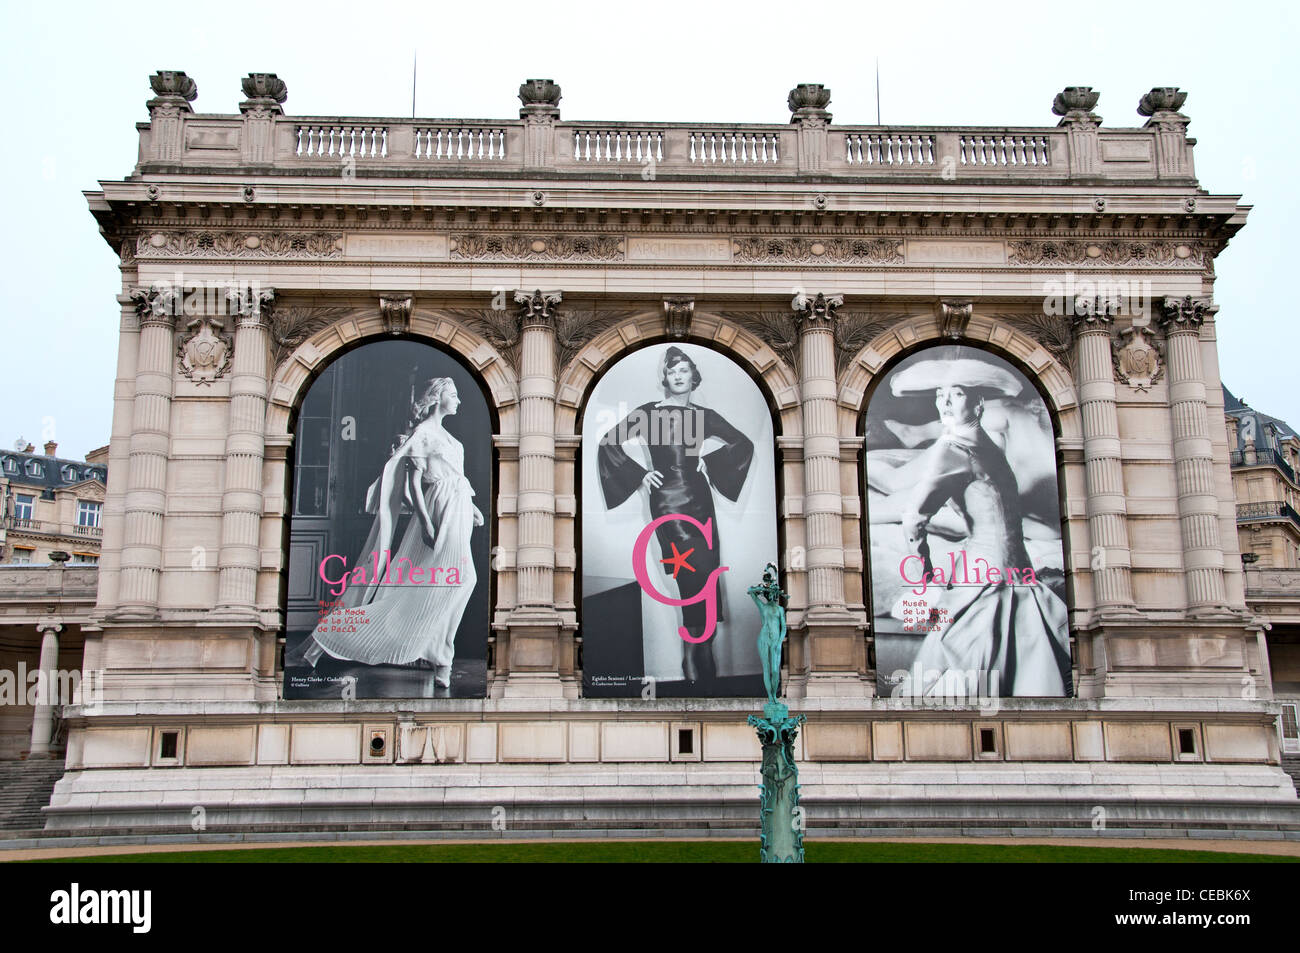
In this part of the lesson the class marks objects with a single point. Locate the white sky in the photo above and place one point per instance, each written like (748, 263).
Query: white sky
(77, 76)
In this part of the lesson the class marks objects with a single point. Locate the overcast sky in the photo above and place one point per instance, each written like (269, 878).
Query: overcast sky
(78, 74)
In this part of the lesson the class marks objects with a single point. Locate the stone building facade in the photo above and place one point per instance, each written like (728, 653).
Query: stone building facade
(259, 249)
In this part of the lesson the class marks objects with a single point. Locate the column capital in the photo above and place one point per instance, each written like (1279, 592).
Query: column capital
(1091, 319)
(678, 313)
(251, 305)
(537, 308)
(816, 313)
(396, 309)
(1185, 314)
(157, 306)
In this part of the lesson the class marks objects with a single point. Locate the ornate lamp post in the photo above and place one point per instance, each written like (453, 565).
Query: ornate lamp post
(782, 821)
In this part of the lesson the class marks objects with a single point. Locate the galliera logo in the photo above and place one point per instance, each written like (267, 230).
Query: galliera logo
(679, 562)
(965, 574)
(76, 906)
(393, 573)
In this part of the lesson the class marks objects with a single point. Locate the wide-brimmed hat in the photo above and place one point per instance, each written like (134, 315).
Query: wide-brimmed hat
(924, 377)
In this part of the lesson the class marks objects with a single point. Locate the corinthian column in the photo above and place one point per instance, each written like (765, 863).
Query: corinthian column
(1112, 587)
(1198, 503)
(823, 506)
(536, 558)
(241, 501)
(146, 488)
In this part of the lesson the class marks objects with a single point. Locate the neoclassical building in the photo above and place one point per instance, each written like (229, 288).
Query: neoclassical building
(579, 382)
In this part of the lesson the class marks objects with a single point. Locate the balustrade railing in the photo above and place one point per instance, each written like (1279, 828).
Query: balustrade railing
(1262, 457)
(1271, 510)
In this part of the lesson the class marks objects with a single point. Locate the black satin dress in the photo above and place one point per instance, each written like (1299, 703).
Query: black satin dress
(674, 443)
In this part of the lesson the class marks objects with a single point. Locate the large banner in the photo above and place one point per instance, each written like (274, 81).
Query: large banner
(967, 571)
(388, 549)
(678, 520)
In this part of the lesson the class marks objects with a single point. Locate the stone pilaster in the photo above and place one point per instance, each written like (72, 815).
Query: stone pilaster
(1198, 501)
(146, 491)
(540, 111)
(173, 93)
(1074, 105)
(533, 650)
(1173, 149)
(835, 651)
(808, 102)
(1112, 587)
(266, 94)
(241, 501)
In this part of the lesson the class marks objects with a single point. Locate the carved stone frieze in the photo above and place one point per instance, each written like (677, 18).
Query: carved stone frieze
(499, 327)
(289, 327)
(205, 351)
(1137, 358)
(1055, 333)
(873, 251)
(574, 329)
(1106, 254)
(234, 243)
(521, 247)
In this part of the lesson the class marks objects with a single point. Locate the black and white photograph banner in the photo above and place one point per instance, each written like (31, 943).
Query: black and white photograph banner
(964, 527)
(678, 520)
(388, 564)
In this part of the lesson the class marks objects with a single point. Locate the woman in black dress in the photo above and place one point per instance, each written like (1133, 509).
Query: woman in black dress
(682, 481)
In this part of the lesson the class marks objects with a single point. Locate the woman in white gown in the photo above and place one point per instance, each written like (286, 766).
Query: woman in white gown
(409, 622)
(1012, 635)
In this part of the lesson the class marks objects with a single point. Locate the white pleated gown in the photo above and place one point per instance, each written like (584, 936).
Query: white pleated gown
(410, 621)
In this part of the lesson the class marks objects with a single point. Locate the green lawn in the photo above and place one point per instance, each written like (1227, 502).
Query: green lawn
(695, 852)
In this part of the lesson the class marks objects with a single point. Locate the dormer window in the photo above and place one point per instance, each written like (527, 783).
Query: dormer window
(11, 465)
(35, 468)
(70, 474)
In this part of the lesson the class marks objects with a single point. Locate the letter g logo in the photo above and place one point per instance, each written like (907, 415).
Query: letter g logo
(708, 594)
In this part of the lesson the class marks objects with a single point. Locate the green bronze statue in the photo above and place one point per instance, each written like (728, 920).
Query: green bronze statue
(781, 840)
(770, 600)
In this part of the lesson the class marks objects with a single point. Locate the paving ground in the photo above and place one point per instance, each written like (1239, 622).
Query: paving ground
(1280, 847)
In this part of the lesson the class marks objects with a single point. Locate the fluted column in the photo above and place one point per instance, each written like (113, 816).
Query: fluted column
(43, 713)
(146, 490)
(1107, 511)
(823, 506)
(1198, 502)
(241, 500)
(536, 554)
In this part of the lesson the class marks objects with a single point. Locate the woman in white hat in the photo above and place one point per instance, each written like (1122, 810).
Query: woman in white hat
(984, 610)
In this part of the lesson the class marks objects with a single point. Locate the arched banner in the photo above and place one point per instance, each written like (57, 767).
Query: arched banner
(964, 526)
(678, 520)
(388, 549)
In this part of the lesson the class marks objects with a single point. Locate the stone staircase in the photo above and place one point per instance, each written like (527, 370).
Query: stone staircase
(25, 788)
(1291, 765)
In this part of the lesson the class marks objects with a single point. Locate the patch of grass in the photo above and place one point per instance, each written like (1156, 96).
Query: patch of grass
(673, 852)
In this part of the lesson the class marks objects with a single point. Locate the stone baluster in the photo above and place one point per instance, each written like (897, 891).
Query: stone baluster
(47, 686)
(241, 501)
(823, 505)
(173, 93)
(1198, 501)
(1173, 150)
(536, 559)
(540, 112)
(808, 102)
(146, 489)
(1107, 511)
(1074, 105)
(266, 94)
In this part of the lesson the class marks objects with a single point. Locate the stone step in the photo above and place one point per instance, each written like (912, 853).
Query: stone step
(25, 789)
